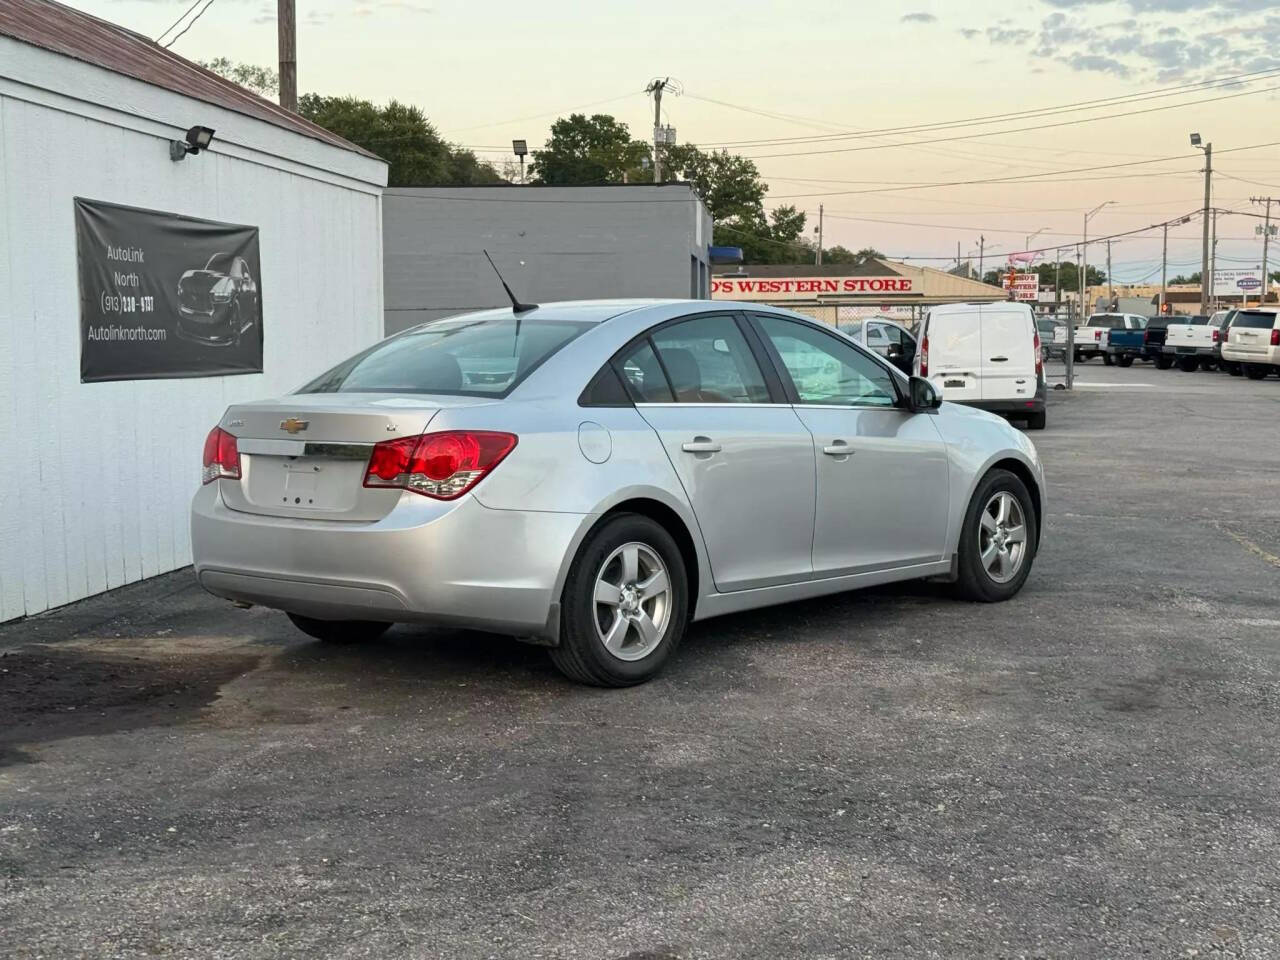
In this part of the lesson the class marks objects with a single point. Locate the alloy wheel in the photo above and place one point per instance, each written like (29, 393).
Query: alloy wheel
(632, 601)
(1002, 537)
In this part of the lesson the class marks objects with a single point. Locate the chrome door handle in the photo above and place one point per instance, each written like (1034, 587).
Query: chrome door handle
(837, 449)
(999, 359)
(701, 445)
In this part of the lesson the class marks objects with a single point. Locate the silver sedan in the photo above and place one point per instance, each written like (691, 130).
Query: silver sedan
(594, 476)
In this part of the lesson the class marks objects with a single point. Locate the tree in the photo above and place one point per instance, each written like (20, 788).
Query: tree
(593, 150)
(1194, 279)
(728, 184)
(839, 254)
(263, 81)
(400, 134)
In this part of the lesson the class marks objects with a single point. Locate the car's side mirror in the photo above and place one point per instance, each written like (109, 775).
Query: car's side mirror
(894, 351)
(923, 395)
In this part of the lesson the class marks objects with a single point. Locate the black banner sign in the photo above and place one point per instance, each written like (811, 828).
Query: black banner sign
(163, 295)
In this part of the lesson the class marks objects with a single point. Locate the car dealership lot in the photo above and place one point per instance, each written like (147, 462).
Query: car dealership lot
(1089, 769)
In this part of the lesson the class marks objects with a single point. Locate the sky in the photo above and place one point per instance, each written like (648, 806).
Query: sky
(767, 78)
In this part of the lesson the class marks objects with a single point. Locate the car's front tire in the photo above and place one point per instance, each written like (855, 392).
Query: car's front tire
(340, 631)
(624, 606)
(998, 542)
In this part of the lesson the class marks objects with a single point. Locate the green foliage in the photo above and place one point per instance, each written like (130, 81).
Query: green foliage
(590, 150)
(1069, 276)
(400, 134)
(839, 254)
(1193, 279)
(728, 184)
(263, 81)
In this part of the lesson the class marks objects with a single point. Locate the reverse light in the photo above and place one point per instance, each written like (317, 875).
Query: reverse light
(924, 357)
(221, 458)
(442, 465)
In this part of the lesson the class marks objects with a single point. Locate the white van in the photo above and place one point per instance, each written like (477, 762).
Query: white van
(986, 355)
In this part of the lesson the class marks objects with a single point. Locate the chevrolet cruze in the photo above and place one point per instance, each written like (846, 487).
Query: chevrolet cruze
(594, 476)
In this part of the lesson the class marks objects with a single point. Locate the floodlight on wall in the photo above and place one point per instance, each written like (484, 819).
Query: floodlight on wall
(198, 138)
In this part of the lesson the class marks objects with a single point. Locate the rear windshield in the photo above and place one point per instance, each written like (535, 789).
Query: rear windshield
(1199, 320)
(462, 356)
(1106, 320)
(1257, 319)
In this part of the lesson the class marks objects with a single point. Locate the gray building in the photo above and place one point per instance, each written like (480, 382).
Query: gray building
(551, 243)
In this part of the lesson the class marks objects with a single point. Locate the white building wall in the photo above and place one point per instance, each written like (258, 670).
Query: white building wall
(95, 479)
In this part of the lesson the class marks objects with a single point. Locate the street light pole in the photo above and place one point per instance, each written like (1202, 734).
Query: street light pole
(1206, 280)
(1084, 288)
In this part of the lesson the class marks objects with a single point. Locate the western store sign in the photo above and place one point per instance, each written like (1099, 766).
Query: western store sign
(807, 288)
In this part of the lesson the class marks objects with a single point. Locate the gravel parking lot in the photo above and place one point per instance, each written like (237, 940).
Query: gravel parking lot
(1090, 770)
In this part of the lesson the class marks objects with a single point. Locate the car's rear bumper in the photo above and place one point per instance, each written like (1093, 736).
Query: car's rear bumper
(460, 564)
(1018, 406)
(1261, 355)
(1184, 351)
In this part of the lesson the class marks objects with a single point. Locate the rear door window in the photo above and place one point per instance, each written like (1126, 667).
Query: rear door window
(643, 374)
(707, 360)
(1254, 319)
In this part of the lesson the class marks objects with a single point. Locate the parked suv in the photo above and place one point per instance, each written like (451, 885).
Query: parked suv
(1255, 342)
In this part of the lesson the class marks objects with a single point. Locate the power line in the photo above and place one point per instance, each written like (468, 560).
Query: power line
(1027, 177)
(997, 117)
(538, 116)
(189, 25)
(997, 133)
(178, 21)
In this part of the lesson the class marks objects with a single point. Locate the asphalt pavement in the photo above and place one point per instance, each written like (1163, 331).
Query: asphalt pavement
(1089, 770)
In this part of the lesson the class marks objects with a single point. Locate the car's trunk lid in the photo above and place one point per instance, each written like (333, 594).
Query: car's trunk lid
(306, 455)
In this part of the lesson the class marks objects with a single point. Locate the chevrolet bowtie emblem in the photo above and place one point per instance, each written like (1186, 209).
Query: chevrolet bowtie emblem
(294, 425)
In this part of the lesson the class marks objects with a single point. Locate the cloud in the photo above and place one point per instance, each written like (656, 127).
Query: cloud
(1165, 40)
(969, 33)
(919, 18)
(1015, 36)
(1092, 62)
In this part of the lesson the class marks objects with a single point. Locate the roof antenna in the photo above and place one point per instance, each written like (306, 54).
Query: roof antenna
(516, 306)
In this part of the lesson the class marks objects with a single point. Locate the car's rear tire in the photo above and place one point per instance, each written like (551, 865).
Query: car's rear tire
(1163, 362)
(1036, 421)
(1125, 361)
(1255, 371)
(1108, 359)
(1188, 364)
(1207, 363)
(998, 541)
(625, 604)
(340, 631)
(1081, 358)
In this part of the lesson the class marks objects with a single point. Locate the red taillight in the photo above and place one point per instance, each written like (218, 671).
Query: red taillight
(924, 357)
(221, 458)
(442, 466)
(1275, 336)
(1097, 335)
(1215, 336)
(1039, 356)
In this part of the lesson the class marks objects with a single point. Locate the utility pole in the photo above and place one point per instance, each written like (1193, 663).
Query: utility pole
(957, 257)
(819, 260)
(1266, 237)
(287, 37)
(656, 87)
(1164, 269)
(1111, 293)
(1206, 278)
(982, 246)
(1213, 261)
(1057, 276)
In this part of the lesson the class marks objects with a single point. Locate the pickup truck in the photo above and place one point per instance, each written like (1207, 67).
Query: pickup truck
(1192, 342)
(1116, 337)
(1153, 342)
